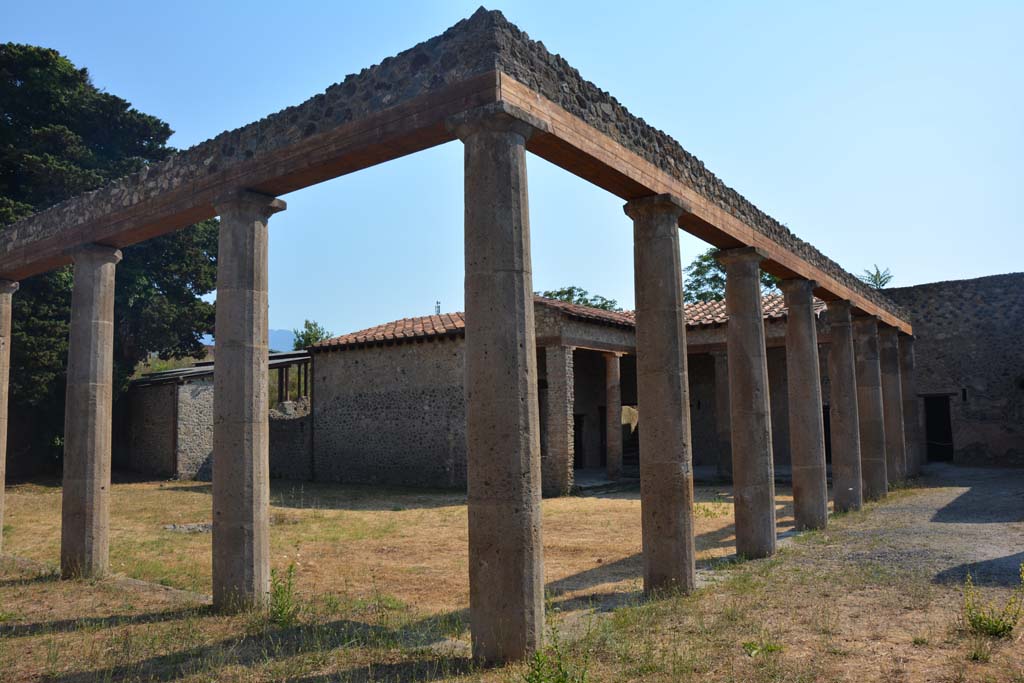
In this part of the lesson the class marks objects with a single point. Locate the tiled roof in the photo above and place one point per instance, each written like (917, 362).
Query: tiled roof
(708, 313)
(445, 324)
(703, 314)
(617, 318)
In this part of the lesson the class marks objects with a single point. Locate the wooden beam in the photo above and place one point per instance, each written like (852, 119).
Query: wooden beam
(584, 151)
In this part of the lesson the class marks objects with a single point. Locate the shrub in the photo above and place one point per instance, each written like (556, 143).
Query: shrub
(552, 665)
(284, 608)
(988, 619)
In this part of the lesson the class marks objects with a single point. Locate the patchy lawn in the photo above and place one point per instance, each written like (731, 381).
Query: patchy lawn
(381, 592)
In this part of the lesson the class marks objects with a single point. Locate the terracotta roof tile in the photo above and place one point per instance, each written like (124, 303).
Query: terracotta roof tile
(702, 314)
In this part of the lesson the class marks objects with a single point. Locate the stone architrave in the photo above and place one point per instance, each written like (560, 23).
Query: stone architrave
(753, 472)
(806, 422)
(85, 506)
(7, 290)
(869, 408)
(241, 438)
(613, 419)
(506, 576)
(844, 420)
(666, 460)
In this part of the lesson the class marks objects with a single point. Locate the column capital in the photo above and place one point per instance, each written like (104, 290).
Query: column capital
(497, 117)
(239, 201)
(888, 333)
(656, 204)
(839, 306)
(797, 287)
(864, 320)
(8, 287)
(728, 257)
(613, 354)
(97, 253)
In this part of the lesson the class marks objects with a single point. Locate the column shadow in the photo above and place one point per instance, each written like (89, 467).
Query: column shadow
(1000, 572)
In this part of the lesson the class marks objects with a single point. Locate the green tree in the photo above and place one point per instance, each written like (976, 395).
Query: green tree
(61, 136)
(704, 279)
(578, 295)
(311, 333)
(877, 278)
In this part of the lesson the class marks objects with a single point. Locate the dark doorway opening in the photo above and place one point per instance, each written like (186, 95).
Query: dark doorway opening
(603, 412)
(938, 428)
(827, 422)
(577, 441)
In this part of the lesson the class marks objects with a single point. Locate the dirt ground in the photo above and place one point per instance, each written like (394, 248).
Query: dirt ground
(381, 582)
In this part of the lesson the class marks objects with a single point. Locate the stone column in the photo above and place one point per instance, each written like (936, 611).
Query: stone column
(506, 576)
(557, 456)
(613, 417)
(753, 475)
(723, 425)
(241, 466)
(869, 408)
(806, 424)
(911, 415)
(892, 403)
(666, 460)
(85, 511)
(7, 290)
(844, 420)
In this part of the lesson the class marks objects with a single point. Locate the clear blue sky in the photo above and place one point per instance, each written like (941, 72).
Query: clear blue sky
(881, 132)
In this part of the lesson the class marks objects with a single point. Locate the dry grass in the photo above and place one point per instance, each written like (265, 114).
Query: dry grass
(382, 579)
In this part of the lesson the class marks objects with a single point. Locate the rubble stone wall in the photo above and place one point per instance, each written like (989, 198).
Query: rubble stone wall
(150, 430)
(391, 414)
(970, 347)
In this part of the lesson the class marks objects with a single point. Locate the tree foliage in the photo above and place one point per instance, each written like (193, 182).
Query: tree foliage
(578, 295)
(311, 333)
(877, 278)
(704, 279)
(61, 136)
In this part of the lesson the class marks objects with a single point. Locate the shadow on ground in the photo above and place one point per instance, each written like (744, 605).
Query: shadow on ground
(88, 623)
(283, 643)
(1001, 572)
(369, 498)
(984, 505)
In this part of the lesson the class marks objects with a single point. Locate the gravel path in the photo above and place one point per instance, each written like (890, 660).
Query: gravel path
(964, 519)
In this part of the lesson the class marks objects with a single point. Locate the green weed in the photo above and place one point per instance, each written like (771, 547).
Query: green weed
(284, 608)
(988, 619)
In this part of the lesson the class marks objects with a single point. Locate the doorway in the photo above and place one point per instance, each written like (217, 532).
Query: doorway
(938, 428)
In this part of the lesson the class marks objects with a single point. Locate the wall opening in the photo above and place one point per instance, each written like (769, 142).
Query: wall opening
(938, 427)
(827, 423)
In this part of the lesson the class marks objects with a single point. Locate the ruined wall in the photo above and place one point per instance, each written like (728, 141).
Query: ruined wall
(150, 429)
(391, 414)
(195, 429)
(291, 441)
(969, 347)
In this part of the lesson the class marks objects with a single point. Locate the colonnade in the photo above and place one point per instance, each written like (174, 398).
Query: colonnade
(504, 469)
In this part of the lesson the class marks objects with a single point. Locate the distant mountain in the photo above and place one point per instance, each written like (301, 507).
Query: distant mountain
(281, 340)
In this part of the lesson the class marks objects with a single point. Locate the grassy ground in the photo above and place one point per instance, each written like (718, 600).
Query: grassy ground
(381, 592)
